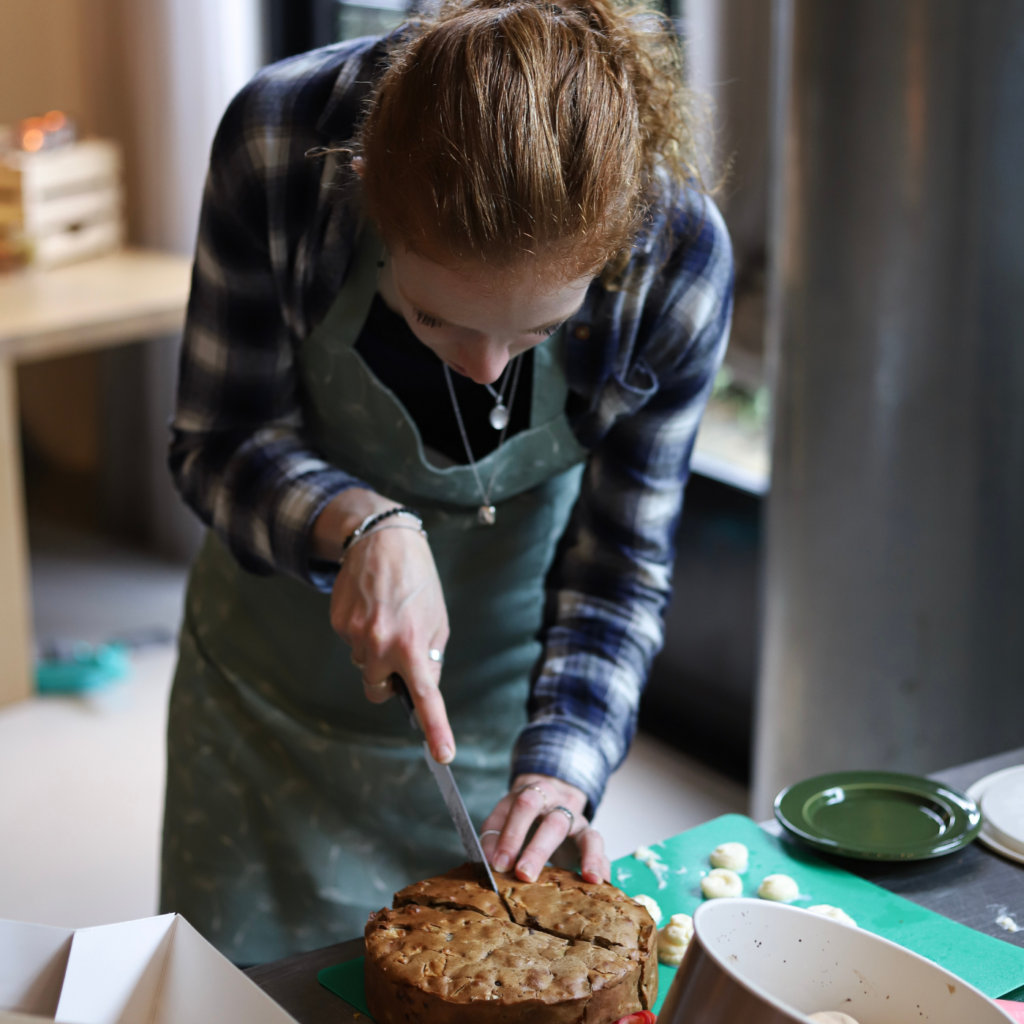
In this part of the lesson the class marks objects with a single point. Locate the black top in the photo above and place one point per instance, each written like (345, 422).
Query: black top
(401, 362)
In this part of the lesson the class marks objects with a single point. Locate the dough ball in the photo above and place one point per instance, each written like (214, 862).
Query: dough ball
(778, 889)
(832, 1017)
(674, 938)
(721, 884)
(733, 856)
(834, 912)
(652, 907)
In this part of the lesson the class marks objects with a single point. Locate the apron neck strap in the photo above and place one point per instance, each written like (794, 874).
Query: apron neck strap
(345, 319)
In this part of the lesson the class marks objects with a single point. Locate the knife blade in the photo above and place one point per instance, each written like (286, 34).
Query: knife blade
(449, 791)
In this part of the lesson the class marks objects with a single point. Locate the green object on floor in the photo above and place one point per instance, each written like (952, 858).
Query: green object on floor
(85, 669)
(994, 967)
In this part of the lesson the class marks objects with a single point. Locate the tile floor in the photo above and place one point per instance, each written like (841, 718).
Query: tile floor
(81, 779)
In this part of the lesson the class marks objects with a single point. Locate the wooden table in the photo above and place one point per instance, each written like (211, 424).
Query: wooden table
(128, 296)
(963, 886)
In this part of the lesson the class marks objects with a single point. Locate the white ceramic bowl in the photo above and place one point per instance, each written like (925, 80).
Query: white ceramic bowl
(755, 962)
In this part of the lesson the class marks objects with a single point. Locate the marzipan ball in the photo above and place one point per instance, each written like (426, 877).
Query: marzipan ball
(674, 938)
(651, 905)
(733, 856)
(826, 910)
(721, 884)
(779, 889)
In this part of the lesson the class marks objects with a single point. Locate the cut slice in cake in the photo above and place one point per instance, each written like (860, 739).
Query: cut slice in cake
(555, 951)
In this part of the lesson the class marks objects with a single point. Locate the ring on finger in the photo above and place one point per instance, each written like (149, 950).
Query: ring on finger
(436, 656)
(490, 832)
(567, 813)
(543, 793)
(377, 686)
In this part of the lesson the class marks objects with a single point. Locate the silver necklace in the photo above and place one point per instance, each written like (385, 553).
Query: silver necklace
(486, 514)
(499, 415)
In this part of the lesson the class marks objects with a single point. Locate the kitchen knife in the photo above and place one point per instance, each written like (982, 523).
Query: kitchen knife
(450, 791)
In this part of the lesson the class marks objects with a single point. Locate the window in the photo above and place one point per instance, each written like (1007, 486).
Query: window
(294, 26)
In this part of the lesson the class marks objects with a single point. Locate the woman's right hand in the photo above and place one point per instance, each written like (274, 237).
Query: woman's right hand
(387, 604)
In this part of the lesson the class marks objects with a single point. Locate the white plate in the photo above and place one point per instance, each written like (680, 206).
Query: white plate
(1004, 807)
(991, 835)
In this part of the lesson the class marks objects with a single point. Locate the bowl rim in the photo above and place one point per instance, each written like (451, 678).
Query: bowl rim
(721, 906)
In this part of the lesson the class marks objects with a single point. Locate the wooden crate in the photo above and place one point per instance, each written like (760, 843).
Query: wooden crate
(62, 205)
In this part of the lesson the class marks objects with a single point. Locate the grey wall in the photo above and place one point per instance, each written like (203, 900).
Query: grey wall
(728, 49)
(894, 632)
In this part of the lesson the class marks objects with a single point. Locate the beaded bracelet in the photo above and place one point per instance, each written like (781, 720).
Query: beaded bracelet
(368, 525)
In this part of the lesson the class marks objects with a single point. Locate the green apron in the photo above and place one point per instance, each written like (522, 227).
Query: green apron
(295, 806)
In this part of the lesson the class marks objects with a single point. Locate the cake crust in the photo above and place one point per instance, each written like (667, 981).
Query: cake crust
(456, 890)
(562, 903)
(555, 951)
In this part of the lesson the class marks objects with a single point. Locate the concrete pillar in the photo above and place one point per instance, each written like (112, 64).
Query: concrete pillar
(894, 625)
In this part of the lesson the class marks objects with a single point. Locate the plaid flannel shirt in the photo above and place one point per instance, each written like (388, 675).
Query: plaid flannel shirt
(275, 240)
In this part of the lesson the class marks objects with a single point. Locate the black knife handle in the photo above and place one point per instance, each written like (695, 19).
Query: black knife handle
(402, 692)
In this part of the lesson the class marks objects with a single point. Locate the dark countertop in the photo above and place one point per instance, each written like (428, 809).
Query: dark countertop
(292, 983)
(973, 886)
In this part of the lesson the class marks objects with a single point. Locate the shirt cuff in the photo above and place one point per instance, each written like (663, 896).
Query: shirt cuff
(292, 525)
(566, 751)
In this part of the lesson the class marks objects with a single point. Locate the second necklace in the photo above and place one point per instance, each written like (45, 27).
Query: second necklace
(486, 514)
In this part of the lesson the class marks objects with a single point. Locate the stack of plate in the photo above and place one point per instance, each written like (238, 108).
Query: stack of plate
(1001, 798)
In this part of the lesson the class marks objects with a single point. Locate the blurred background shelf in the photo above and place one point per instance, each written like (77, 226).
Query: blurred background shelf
(106, 301)
(116, 299)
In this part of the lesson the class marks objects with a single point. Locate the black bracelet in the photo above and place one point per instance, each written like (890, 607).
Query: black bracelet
(373, 520)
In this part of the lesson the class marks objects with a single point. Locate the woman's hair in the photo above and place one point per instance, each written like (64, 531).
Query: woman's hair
(507, 128)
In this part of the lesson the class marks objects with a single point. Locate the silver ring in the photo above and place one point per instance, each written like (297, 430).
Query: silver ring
(377, 686)
(359, 664)
(543, 793)
(435, 655)
(567, 813)
(490, 832)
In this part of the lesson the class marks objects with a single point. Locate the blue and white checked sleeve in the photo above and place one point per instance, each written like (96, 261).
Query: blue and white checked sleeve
(612, 576)
(238, 453)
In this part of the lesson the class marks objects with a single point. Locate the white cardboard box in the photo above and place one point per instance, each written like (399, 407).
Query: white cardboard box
(159, 970)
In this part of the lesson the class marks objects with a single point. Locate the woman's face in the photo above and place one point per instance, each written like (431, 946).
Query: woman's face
(476, 319)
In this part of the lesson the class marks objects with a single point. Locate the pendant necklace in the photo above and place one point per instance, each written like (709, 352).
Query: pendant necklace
(498, 416)
(486, 514)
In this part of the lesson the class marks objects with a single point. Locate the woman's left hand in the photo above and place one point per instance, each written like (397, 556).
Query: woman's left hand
(533, 797)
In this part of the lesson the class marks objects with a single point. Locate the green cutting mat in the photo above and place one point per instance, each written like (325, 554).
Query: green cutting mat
(346, 980)
(994, 967)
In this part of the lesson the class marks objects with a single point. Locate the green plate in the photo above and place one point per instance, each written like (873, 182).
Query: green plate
(878, 815)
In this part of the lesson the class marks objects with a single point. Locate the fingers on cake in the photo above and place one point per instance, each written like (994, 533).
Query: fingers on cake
(555, 951)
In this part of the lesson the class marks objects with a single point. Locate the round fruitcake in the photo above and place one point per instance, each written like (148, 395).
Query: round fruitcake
(555, 951)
